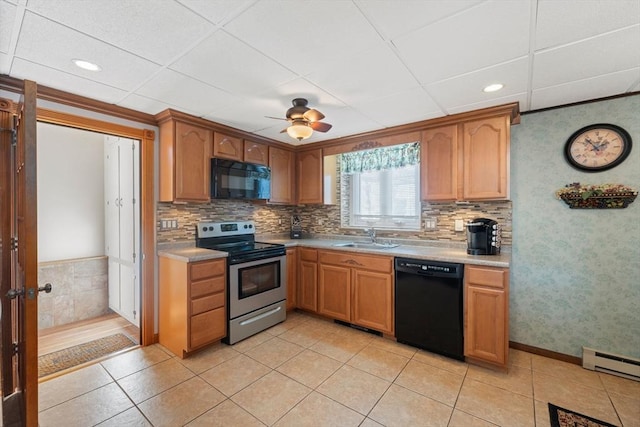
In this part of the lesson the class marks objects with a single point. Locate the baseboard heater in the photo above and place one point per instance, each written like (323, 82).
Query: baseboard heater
(610, 363)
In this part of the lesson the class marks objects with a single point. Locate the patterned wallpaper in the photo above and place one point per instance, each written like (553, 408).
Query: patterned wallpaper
(575, 276)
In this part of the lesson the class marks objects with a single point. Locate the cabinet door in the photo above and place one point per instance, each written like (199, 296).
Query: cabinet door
(282, 173)
(227, 147)
(334, 291)
(486, 159)
(373, 300)
(292, 277)
(310, 176)
(486, 314)
(192, 162)
(308, 286)
(439, 163)
(257, 153)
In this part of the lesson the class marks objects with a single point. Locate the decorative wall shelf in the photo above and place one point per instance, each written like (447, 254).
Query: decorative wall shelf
(603, 196)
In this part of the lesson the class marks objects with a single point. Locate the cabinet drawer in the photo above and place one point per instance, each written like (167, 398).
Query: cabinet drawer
(486, 276)
(208, 286)
(202, 270)
(207, 303)
(349, 259)
(207, 327)
(308, 254)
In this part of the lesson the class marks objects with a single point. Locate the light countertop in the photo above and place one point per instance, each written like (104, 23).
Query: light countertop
(434, 251)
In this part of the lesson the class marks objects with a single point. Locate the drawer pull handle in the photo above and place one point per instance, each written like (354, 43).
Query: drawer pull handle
(352, 262)
(260, 316)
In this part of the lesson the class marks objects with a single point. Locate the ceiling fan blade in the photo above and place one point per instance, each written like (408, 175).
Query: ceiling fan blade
(284, 130)
(313, 115)
(320, 126)
(277, 118)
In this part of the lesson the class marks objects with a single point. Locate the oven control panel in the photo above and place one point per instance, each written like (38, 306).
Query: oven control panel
(220, 229)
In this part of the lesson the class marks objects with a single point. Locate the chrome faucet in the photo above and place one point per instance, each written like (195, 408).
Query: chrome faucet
(371, 232)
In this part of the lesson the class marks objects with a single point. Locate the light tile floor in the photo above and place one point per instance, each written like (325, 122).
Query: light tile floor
(311, 372)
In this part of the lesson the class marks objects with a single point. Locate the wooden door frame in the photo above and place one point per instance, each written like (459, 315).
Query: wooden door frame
(147, 203)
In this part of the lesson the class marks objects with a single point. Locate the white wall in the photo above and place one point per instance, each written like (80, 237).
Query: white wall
(70, 193)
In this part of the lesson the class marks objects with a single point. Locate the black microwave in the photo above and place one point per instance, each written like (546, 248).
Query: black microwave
(238, 180)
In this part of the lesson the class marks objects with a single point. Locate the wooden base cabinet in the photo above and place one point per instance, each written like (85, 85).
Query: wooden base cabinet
(307, 298)
(292, 277)
(356, 288)
(486, 314)
(192, 304)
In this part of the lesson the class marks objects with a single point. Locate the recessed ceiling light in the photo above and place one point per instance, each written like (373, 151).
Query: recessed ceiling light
(86, 65)
(493, 87)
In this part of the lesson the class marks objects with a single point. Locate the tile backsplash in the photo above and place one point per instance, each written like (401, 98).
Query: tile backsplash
(324, 219)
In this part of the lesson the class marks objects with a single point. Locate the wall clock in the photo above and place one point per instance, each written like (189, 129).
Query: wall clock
(597, 147)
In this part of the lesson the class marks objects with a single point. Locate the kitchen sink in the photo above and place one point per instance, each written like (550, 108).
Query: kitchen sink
(364, 245)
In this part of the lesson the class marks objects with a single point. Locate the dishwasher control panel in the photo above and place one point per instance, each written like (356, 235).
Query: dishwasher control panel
(429, 267)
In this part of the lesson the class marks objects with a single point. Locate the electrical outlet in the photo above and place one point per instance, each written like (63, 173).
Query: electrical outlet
(458, 225)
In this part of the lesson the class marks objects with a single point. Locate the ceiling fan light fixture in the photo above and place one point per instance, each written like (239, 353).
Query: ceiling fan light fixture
(493, 87)
(86, 65)
(299, 130)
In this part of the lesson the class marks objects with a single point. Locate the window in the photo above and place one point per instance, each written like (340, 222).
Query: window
(380, 188)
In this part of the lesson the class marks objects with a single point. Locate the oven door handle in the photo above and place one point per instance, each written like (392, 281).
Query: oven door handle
(260, 316)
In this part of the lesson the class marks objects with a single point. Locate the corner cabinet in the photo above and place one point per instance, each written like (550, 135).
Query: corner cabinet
(185, 162)
(468, 160)
(486, 314)
(309, 176)
(192, 304)
(357, 288)
(282, 167)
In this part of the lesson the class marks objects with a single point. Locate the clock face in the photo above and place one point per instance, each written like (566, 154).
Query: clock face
(598, 147)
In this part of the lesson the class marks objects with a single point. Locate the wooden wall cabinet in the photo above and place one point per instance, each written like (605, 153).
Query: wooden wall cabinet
(307, 297)
(486, 314)
(310, 176)
(192, 304)
(282, 167)
(185, 162)
(357, 288)
(255, 152)
(228, 147)
(292, 277)
(466, 161)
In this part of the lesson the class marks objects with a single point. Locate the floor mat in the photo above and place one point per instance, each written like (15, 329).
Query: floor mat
(69, 357)
(561, 417)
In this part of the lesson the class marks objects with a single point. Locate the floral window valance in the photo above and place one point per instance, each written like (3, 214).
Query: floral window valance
(383, 158)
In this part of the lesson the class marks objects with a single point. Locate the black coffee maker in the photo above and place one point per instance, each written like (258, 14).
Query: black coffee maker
(483, 237)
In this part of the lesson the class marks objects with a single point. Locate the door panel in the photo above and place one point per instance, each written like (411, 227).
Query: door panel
(20, 384)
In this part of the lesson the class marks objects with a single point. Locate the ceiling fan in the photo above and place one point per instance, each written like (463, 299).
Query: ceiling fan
(304, 120)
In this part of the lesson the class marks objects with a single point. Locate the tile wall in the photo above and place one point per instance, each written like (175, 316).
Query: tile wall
(80, 291)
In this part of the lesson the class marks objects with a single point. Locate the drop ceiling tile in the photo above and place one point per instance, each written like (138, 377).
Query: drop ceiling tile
(468, 88)
(301, 35)
(592, 88)
(148, 105)
(488, 34)
(61, 80)
(346, 121)
(299, 88)
(561, 22)
(249, 114)
(615, 51)
(520, 98)
(368, 74)
(177, 89)
(396, 18)
(7, 17)
(54, 46)
(219, 11)
(223, 61)
(5, 63)
(157, 31)
(405, 107)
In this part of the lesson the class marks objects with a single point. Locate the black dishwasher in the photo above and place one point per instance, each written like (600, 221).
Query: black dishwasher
(428, 306)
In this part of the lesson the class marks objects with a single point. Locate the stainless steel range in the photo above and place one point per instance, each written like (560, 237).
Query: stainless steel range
(256, 277)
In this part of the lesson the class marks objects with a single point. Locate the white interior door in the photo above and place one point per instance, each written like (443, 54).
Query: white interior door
(123, 230)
